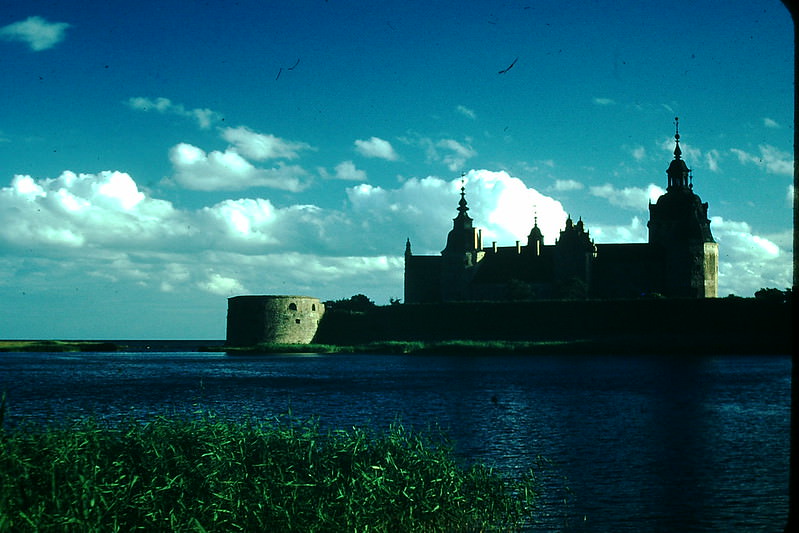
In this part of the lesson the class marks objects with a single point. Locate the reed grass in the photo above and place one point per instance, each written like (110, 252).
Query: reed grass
(211, 474)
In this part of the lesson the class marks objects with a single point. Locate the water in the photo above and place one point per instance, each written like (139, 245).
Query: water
(645, 443)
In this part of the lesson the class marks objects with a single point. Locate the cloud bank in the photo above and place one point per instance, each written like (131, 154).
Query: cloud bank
(102, 232)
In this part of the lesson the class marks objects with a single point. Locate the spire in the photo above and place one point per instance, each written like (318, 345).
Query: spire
(678, 171)
(677, 151)
(463, 220)
(462, 208)
(535, 239)
(463, 237)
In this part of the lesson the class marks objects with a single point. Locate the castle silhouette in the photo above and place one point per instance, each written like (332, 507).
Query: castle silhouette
(679, 261)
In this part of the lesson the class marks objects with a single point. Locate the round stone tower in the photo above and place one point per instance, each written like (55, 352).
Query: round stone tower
(273, 318)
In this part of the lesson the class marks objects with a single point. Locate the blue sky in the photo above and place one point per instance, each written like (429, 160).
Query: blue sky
(159, 157)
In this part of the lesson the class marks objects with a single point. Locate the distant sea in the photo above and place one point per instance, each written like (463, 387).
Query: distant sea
(629, 443)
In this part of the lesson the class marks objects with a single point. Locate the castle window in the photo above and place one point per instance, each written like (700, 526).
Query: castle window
(292, 306)
(297, 321)
(313, 307)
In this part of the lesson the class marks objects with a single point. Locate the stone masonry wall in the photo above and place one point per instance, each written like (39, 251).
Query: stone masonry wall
(272, 319)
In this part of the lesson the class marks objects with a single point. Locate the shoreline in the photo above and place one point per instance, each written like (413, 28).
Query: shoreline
(619, 345)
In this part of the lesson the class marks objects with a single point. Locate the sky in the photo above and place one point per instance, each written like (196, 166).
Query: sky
(157, 158)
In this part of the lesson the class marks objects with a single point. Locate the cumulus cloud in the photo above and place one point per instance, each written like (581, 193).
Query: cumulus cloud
(567, 185)
(75, 210)
(345, 170)
(769, 158)
(82, 229)
(204, 118)
(36, 32)
(221, 285)
(214, 171)
(633, 198)
(501, 204)
(747, 261)
(376, 147)
(260, 147)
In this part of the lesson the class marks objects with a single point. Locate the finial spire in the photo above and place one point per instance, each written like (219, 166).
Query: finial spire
(462, 207)
(678, 171)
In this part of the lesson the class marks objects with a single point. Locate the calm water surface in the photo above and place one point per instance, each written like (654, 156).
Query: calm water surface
(646, 443)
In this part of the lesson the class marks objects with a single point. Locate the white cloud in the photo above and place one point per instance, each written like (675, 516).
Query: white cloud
(36, 32)
(634, 231)
(455, 154)
(101, 232)
(748, 262)
(260, 147)
(423, 209)
(604, 101)
(346, 171)
(242, 225)
(770, 123)
(376, 147)
(466, 112)
(567, 185)
(770, 158)
(76, 210)
(214, 171)
(204, 118)
(221, 285)
(633, 198)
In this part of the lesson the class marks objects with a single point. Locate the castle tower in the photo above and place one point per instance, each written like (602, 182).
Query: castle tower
(679, 228)
(464, 250)
(535, 241)
(574, 255)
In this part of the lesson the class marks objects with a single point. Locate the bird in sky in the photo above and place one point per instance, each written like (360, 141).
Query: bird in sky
(503, 71)
(292, 67)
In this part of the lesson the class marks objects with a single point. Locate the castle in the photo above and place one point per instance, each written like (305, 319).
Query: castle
(679, 261)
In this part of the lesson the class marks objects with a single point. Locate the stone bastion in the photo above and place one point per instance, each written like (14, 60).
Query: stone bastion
(255, 319)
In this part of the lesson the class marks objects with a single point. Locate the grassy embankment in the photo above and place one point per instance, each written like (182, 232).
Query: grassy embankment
(56, 346)
(463, 347)
(210, 474)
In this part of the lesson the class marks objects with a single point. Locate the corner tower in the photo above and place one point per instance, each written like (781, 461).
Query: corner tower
(680, 230)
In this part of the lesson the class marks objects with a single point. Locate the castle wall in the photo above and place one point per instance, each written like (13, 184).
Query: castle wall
(422, 278)
(272, 319)
(746, 323)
